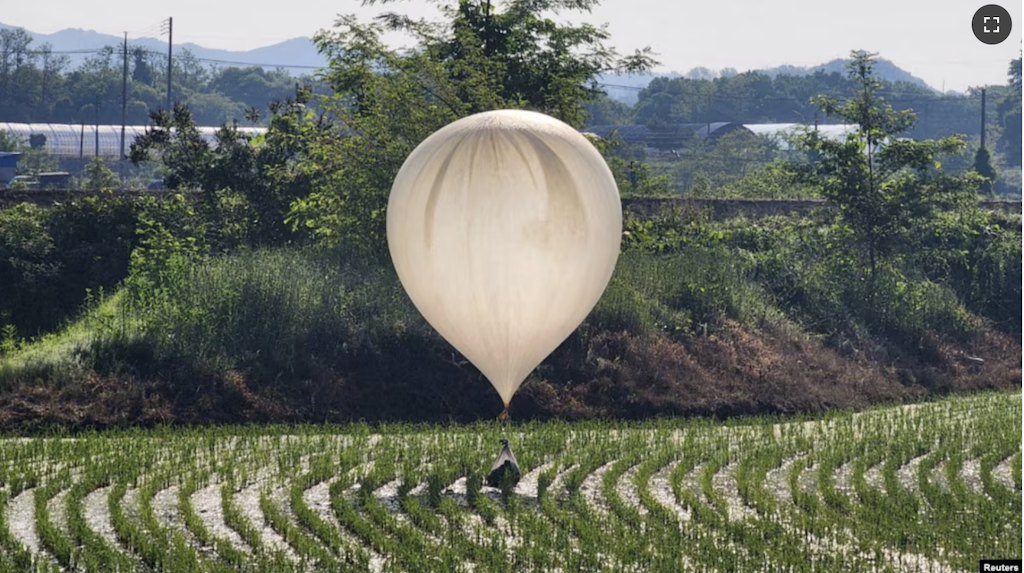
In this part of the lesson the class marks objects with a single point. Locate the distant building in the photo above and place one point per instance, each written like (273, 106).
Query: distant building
(8, 166)
(668, 137)
(673, 137)
(71, 140)
(782, 132)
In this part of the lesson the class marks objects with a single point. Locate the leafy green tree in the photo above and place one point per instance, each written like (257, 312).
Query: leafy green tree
(983, 167)
(632, 175)
(14, 58)
(253, 85)
(479, 57)
(184, 152)
(9, 141)
(248, 183)
(34, 161)
(758, 97)
(100, 177)
(37, 86)
(142, 71)
(604, 110)
(27, 268)
(886, 188)
(1009, 114)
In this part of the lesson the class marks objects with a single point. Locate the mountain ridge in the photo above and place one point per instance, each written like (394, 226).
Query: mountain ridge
(295, 54)
(299, 56)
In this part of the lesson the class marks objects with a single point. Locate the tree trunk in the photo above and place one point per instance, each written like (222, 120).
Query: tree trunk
(873, 270)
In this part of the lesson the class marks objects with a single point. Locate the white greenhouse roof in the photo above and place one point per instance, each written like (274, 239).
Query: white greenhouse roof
(785, 130)
(71, 140)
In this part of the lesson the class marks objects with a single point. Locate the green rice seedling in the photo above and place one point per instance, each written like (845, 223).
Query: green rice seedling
(96, 553)
(229, 554)
(53, 539)
(308, 547)
(918, 488)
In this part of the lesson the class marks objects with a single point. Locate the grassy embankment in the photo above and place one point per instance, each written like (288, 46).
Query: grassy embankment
(700, 318)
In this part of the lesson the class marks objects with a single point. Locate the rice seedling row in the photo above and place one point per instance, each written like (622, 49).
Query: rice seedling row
(931, 487)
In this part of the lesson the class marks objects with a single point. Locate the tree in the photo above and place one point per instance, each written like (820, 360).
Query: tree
(885, 187)
(759, 97)
(34, 161)
(478, 58)
(101, 178)
(253, 85)
(1009, 114)
(142, 72)
(607, 111)
(9, 141)
(189, 72)
(184, 152)
(632, 175)
(248, 183)
(983, 167)
(14, 54)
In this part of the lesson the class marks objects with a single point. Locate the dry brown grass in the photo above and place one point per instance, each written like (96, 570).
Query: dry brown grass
(774, 368)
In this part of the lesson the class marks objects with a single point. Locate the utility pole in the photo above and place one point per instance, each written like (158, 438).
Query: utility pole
(983, 118)
(708, 134)
(169, 28)
(97, 109)
(46, 69)
(124, 93)
(81, 153)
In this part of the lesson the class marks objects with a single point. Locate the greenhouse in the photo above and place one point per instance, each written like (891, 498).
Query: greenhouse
(782, 132)
(70, 140)
(668, 136)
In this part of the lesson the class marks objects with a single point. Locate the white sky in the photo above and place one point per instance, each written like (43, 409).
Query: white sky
(930, 38)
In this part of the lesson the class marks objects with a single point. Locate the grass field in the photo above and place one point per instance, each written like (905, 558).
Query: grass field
(931, 487)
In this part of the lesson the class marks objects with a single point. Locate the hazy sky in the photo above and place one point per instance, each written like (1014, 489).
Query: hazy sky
(930, 38)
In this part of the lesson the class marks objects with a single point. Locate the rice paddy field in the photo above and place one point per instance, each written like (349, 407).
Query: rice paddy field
(931, 487)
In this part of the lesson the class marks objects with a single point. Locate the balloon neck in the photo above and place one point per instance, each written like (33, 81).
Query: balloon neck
(503, 417)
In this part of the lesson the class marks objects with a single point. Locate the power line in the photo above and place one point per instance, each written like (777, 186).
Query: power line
(919, 95)
(287, 66)
(903, 96)
(156, 53)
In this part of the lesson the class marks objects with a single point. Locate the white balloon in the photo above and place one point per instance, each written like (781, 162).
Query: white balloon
(504, 228)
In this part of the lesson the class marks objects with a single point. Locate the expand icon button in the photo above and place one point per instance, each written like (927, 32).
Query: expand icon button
(992, 24)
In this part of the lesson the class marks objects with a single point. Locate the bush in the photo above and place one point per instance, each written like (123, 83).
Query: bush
(278, 310)
(813, 273)
(678, 293)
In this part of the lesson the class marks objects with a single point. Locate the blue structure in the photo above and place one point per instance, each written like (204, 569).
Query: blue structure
(8, 165)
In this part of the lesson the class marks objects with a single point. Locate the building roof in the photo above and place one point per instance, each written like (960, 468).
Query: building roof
(9, 158)
(783, 131)
(667, 137)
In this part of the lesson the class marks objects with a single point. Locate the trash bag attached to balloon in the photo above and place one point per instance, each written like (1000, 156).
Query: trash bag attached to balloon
(504, 467)
(504, 228)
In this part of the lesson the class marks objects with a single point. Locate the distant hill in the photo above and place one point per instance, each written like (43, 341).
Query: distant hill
(626, 88)
(885, 70)
(298, 55)
(630, 85)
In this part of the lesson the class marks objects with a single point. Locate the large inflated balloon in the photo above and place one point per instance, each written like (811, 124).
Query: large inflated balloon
(504, 228)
